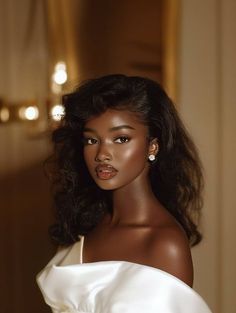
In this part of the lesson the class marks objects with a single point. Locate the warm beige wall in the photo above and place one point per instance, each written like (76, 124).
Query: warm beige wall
(25, 202)
(109, 37)
(207, 104)
(23, 77)
(228, 109)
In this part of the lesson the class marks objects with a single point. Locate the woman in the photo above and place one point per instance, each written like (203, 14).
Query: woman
(128, 184)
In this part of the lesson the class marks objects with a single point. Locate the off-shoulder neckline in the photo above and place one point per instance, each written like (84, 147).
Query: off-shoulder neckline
(94, 263)
(69, 268)
(133, 264)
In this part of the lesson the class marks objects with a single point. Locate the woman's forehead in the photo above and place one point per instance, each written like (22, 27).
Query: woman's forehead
(115, 119)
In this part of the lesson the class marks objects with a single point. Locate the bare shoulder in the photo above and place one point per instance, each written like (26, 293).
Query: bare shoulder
(169, 250)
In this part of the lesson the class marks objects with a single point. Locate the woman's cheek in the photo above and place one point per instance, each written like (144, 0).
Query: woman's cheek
(135, 153)
(89, 159)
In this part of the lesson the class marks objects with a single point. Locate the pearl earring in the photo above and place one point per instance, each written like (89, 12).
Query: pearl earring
(151, 157)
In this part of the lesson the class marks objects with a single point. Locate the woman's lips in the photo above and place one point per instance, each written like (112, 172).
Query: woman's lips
(105, 171)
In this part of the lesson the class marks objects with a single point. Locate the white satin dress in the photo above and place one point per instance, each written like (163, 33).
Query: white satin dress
(71, 286)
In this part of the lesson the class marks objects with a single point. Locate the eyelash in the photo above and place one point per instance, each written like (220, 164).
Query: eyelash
(86, 141)
(123, 139)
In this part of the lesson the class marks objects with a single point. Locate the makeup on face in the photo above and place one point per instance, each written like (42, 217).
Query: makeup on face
(115, 148)
(105, 171)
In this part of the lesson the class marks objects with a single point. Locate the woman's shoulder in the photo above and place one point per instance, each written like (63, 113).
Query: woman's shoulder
(168, 249)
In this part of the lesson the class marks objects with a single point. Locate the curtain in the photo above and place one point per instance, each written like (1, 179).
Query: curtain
(24, 192)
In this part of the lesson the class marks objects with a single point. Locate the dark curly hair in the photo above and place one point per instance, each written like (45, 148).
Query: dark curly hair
(176, 178)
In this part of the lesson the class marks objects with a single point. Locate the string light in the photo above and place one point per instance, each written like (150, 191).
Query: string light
(29, 113)
(57, 112)
(4, 114)
(60, 73)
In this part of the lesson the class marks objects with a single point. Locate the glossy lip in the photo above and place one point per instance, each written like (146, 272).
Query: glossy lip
(105, 171)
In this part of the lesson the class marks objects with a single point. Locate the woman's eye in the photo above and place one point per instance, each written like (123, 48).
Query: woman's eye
(90, 141)
(122, 139)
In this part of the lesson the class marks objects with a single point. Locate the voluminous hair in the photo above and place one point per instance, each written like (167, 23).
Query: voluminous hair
(176, 176)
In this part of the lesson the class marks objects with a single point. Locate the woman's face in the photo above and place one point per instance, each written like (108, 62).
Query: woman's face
(116, 148)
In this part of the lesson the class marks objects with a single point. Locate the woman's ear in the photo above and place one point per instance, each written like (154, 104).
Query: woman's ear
(153, 149)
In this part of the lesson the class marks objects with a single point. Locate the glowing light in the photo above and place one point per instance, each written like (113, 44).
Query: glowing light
(30, 113)
(4, 114)
(60, 74)
(57, 112)
(56, 89)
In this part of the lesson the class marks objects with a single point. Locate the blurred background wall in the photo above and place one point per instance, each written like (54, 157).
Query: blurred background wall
(189, 46)
(207, 82)
(24, 192)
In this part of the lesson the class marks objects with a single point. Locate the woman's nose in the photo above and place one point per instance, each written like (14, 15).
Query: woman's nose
(103, 154)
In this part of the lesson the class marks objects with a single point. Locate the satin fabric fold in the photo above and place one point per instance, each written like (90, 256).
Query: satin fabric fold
(113, 287)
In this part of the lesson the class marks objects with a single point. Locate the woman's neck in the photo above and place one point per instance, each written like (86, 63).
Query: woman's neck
(133, 204)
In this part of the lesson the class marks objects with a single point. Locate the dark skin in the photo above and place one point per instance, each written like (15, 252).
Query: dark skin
(140, 230)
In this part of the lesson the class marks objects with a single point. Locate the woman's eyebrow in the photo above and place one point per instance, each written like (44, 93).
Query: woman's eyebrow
(87, 129)
(121, 127)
